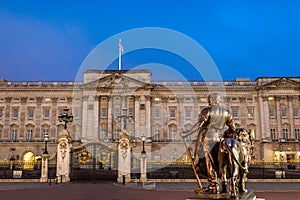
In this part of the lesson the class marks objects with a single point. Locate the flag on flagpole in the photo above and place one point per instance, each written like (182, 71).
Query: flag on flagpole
(121, 46)
(121, 50)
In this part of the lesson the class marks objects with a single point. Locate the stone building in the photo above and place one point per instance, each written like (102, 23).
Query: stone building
(107, 102)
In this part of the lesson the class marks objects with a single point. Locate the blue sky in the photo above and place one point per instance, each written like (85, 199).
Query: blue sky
(48, 40)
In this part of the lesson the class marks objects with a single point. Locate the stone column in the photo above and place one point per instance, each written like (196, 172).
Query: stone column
(262, 116)
(278, 117)
(44, 172)
(63, 156)
(109, 117)
(143, 167)
(291, 117)
(96, 118)
(148, 116)
(137, 116)
(84, 117)
(124, 158)
(266, 119)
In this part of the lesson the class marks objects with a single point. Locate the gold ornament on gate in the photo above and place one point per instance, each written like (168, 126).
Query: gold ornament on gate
(84, 157)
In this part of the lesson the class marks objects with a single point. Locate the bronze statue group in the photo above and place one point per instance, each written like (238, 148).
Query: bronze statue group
(220, 155)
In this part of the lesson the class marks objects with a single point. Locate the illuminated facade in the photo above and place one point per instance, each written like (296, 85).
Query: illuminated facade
(110, 101)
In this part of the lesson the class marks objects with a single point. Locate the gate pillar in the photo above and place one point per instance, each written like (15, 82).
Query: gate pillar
(44, 172)
(63, 156)
(124, 158)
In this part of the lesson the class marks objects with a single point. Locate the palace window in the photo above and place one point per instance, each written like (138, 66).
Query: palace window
(77, 113)
(30, 113)
(157, 135)
(235, 112)
(156, 112)
(103, 112)
(250, 112)
(15, 112)
(116, 112)
(283, 112)
(46, 112)
(272, 112)
(297, 133)
(29, 134)
(172, 112)
(295, 112)
(1, 112)
(173, 133)
(188, 112)
(273, 133)
(285, 133)
(14, 134)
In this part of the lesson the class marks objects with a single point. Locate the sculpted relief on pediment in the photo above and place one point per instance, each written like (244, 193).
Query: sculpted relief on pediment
(117, 81)
(281, 84)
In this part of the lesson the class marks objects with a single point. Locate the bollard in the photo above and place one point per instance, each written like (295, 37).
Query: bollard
(123, 180)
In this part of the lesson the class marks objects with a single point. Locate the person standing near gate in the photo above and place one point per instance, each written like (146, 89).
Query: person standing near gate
(211, 122)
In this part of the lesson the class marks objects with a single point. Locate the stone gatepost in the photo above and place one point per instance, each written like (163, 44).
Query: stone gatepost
(63, 156)
(143, 167)
(44, 172)
(124, 158)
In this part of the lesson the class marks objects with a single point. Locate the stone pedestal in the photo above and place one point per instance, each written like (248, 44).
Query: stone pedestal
(143, 167)
(63, 157)
(124, 158)
(245, 196)
(44, 172)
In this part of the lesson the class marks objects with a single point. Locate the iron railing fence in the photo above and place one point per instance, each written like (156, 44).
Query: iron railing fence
(18, 169)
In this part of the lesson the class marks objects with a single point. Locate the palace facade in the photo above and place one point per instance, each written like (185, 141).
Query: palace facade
(107, 102)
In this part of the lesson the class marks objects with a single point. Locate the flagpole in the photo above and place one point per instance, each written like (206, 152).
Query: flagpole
(120, 53)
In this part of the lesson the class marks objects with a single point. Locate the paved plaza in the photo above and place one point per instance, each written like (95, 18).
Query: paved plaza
(114, 191)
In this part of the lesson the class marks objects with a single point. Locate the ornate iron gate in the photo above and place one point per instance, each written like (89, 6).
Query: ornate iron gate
(94, 161)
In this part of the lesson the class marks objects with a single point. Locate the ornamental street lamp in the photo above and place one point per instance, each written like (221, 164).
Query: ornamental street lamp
(46, 139)
(65, 117)
(143, 140)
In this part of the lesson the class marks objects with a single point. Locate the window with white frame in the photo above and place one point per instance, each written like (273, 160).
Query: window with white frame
(77, 113)
(295, 112)
(234, 112)
(250, 112)
(172, 112)
(29, 134)
(103, 112)
(297, 133)
(156, 112)
(1, 112)
(188, 112)
(46, 112)
(14, 134)
(116, 112)
(271, 112)
(15, 112)
(285, 133)
(173, 133)
(30, 113)
(283, 112)
(157, 134)
(273, 133)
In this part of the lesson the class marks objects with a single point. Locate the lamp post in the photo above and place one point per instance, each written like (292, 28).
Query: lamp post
(143, 140)
(46, 139)
(65, 117)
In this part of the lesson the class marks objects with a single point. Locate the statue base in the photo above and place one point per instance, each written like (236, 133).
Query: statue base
(242, 196)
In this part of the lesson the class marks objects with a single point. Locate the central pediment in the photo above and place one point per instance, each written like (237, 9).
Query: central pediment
(117, 81)
(282, 83)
